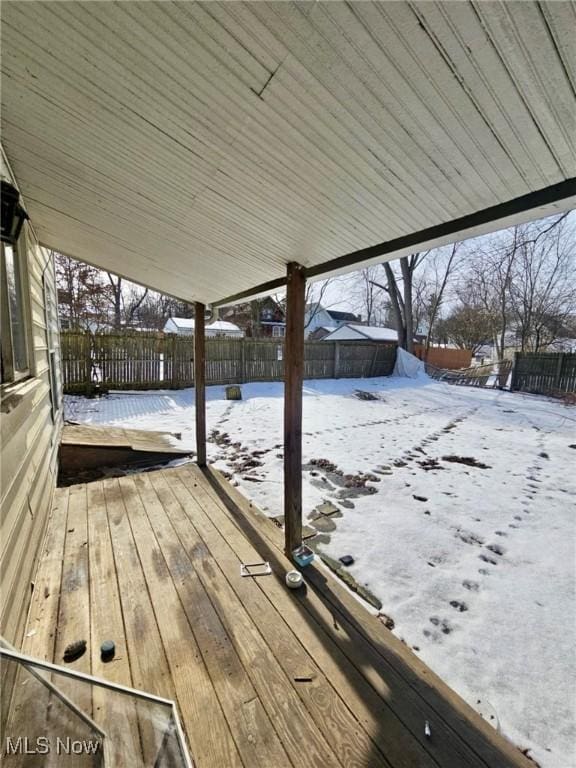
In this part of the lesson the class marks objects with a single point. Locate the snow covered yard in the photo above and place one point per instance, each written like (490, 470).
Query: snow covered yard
(459, 509)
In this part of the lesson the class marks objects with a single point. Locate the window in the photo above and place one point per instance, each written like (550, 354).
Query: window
(279, 330)
(14, 333)
(267, 314)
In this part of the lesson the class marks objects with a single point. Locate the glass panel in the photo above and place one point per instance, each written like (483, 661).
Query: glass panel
(42, 729)
(78, 722)
(16, 308)
(52, 333)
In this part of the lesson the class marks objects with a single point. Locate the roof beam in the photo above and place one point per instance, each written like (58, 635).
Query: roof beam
(453, 230)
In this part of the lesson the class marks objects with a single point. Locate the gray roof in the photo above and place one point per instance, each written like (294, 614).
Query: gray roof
(346, 317)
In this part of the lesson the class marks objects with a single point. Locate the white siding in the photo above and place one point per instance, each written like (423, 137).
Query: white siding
(30, 422)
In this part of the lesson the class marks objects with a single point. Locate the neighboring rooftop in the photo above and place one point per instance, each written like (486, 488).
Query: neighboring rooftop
(371, 332)
(217, 326)
(343, 316)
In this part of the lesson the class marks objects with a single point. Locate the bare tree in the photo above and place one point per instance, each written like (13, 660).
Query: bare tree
(126, 299)
(367, 294)
(442, 272)
(82, 294)
(521, 274)
(543, 292)
(400, 290)
(468, 326)
(92, 299)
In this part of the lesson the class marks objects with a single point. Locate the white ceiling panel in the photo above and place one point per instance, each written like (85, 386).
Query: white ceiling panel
(199, 147)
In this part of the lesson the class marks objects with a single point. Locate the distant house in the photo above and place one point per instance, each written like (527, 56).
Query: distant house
(317, 317)
(355, 332)
(272, 320)
(269, 323)
(185, 327)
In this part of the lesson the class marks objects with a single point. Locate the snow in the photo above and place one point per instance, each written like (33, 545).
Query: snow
(478, 573)
(216, 327)
(353, 331)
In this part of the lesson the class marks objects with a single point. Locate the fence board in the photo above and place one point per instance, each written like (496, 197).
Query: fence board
(493, 375)
(550, 373)
(147, 360)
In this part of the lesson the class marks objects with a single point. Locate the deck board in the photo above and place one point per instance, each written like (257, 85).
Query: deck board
(117, 437)
(262, 676)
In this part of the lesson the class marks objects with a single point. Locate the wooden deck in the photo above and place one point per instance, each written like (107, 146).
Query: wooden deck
(262, 676)
(89, 447)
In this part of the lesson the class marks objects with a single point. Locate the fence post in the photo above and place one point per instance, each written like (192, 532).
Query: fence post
(242, 360)
(170, 359)
(336, 359)
(558, 375)
(513, 382)
(88, 361)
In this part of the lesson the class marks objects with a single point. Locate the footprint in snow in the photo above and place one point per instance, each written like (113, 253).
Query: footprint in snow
(472, 586)
(459, 606)
(496, 548)
(487, 559)
(500, 533)
(442, 624)
(469, 538)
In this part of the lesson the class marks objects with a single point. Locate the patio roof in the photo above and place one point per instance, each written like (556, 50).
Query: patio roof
(198, 148)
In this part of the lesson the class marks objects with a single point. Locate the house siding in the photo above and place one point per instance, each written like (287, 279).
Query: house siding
(320, 319)
(30, 424)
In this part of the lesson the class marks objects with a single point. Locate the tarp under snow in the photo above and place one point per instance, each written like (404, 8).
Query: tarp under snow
(407, 365)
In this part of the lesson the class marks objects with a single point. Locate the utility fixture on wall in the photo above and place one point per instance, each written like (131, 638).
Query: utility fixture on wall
(13, 215)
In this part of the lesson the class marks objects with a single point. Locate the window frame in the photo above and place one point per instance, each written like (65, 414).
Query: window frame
(10, 375)
(50, 298)
(279, 331)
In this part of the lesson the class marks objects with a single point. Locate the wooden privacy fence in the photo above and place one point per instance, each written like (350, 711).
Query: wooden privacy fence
(444, 357)
(142, 360)
(550, 373)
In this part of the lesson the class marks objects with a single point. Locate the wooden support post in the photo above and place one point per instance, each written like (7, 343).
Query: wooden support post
(293, 377)
(199, 382)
